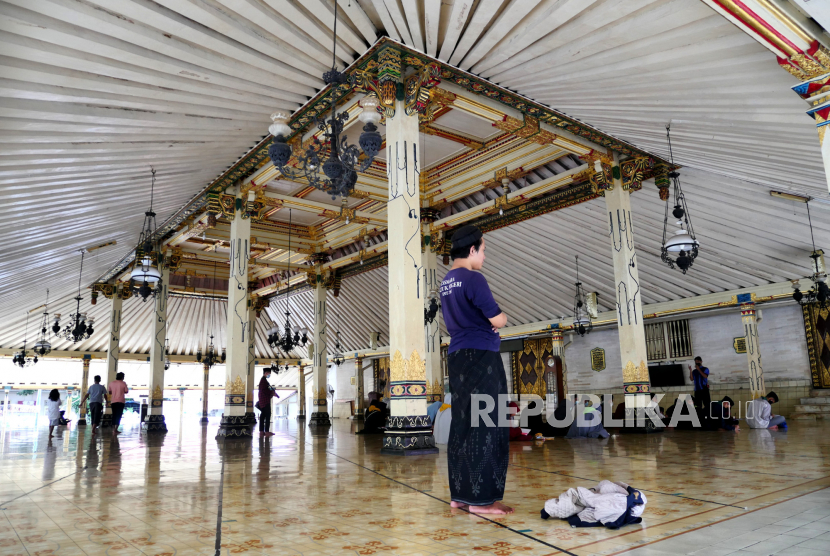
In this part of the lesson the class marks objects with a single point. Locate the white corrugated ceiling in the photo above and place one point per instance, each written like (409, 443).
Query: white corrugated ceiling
(94, 92)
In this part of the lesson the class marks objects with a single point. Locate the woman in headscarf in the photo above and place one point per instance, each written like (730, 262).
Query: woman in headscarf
(477, 454)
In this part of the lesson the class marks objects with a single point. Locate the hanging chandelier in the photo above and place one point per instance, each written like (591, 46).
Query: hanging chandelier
(79, 326)
(276, 369)
(681, 248)
(819, 292)
(582, 321)
(432, 311)
(43, 346)
(335, 157)
(21, 358)
(211, 356)
(292, 336)
(148, 256)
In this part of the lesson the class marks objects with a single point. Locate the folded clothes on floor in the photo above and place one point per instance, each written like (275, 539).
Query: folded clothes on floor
(609, 504)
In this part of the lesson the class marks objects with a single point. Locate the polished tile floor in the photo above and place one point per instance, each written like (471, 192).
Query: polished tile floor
(298, 493)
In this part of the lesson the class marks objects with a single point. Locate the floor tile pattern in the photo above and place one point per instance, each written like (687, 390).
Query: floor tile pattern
(302, 493)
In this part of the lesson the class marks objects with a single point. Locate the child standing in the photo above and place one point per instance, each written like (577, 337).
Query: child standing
(53, 410)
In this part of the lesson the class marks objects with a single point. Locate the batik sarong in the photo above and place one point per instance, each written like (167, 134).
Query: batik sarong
(477, 457)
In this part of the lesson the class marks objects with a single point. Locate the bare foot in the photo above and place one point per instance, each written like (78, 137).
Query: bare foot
(497, 508)
(774, 428)
(455, 504)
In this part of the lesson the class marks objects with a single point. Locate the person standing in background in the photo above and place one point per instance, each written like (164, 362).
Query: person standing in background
(700, 378)
(266, 393)
(96, 395)
(53, 410)
(117, 389)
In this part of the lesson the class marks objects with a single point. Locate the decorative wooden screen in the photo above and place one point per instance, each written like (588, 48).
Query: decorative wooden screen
(655, 341)
(817, 329)
(380, 374)
(529, 367)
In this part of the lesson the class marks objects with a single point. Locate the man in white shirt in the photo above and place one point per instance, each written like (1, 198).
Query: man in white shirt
(759, 414)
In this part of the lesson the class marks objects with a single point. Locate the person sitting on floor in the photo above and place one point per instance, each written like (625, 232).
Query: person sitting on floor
(375, 419)
(516, 432)
(587, 425)
(554, 427)
(720, 416)
(759, 414)
(432, 411)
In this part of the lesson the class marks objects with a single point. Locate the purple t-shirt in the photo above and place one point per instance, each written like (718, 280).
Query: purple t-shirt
(467, 306)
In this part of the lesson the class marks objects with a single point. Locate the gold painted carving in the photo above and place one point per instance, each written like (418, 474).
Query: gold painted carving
(439, 99)
(529, 129)
(597, 359)
(635, 374)
(157, 393)
(413, 369)
(633, 171)
(237, 386)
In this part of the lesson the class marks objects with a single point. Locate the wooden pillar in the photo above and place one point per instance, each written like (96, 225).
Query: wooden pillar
(300, 393)
(233, 420)
(154, 422)
(753, 347)
(408, 430)
(204, 418)
(113, 349)
(432, 331)
(359, 395)
(250, 381)
(84, 382)
(319, 385)
(627, 285)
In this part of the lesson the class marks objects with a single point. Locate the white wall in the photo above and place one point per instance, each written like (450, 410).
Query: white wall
(782, 340)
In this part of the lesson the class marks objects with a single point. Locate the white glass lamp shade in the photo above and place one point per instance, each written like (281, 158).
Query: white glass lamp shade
(280, 125)
(681, 241)
(581, 320)
(145, 272)
(370, 110)
(82, 317)
(43, 346)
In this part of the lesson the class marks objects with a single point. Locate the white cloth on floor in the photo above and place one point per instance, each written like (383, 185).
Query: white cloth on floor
(604, 503)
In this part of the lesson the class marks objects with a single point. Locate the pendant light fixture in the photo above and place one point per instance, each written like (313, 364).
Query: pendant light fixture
(148, 256)
(43, 346)
(79, 326)
(211, 356)
(338, 160)
(819, 293)
(682, 247)
(292, 336)
(582, 321)
(21, 358)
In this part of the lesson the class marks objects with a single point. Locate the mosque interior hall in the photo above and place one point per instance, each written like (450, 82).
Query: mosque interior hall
(414, 277)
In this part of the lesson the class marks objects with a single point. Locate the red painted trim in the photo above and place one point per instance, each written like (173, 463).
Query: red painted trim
(758, 19)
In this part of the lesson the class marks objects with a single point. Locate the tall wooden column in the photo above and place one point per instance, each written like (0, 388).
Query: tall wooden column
(300, 392)
(233, 420)
(205, 384)
(432, 338)
(84, 382)
(251, 385)
(408, 430)
(319, 385)
(154, 422)
(113, 349)
(627, 285)
(753, 347)
(358, 388)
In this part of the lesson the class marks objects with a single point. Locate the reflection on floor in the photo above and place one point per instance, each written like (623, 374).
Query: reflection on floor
(298, 493)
